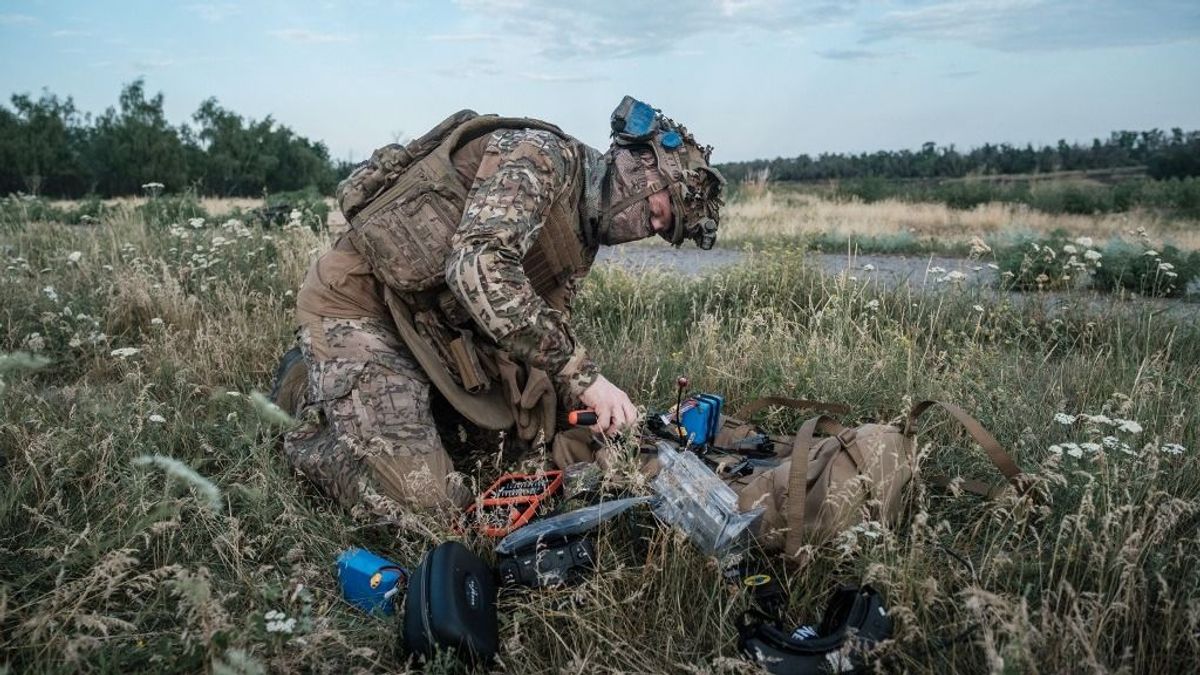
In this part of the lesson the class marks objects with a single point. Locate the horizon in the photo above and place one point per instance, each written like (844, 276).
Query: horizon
(953, 73)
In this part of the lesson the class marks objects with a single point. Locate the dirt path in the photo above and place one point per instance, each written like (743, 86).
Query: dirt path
(924, 272)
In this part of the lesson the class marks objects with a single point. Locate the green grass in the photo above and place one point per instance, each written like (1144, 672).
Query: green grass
(110, 565)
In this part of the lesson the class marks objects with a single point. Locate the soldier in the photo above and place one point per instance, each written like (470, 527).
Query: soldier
(464, 251)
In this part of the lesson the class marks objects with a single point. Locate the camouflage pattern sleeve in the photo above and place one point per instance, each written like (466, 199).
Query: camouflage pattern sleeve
(522, 173)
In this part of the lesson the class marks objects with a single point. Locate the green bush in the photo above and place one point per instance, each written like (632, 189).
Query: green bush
(167, 210)
(1047, 263)
(1146, 271)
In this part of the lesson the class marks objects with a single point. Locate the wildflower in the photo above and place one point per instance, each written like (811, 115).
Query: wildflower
(75, 257)
(196, 223)
(1129, 426)
(1041, 279)
(873, 305)
(977, 308)
(156, 321)
(51, 293)
(1110, 442)
(34, 342)
(125, 352)
(1070, 249)
(156, 418)
(1092, 255)
(278, 622)
(1165, 267)
(1098, 419)
(152, 186)
(1073, 450)
(1085, 242)
(1090, 447)
(1064, 418)
(231, 417)
(937, 270)
(954, 276)
(868, 267)
(1173, 449)
(1151, 252)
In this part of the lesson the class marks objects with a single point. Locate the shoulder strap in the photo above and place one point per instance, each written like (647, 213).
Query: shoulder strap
(995, 453)
(757, 404)
(798, 475)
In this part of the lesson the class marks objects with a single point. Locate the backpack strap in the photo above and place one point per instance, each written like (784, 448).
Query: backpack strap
(798, 476)
(995, 453)
(757, 404)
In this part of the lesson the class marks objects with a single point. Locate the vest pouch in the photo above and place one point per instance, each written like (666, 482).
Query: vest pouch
(406, 240)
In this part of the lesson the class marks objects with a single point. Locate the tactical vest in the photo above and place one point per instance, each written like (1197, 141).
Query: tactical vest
(404, 208)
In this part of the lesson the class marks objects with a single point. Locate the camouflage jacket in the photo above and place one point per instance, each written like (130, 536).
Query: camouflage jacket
(522, 172)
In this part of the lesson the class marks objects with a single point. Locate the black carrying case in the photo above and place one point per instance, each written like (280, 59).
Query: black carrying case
(451, 603)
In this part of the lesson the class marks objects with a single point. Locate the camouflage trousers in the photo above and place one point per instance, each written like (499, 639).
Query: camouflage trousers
(368, 438)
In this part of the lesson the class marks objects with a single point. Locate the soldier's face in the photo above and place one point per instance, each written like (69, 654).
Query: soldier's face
(662, 221)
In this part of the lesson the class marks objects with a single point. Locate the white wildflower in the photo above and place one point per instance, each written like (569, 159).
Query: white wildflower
(1173, 449)
(1110, 442)
(1151, 252)
(1092, 255)
(1129, 426)
(1073, 449)
(75, 257)
(1064, 418)
(34, 342)
(1085, 242)
(1165, 267)
(1090, 447)
(156, 418)
(51, 293)
(1056, 450)
(1098, 419)
(125, 352)
(156, 321)
(153, 186)
(196, 223)
(937, 270)
(1070, 249)
(278, 622)
(868, 267)
(977, 308)
(873, 305)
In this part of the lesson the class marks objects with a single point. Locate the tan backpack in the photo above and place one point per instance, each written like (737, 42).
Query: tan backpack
(828, 484)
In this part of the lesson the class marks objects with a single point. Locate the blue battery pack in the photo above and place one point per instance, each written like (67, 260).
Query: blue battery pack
(700, 417)
(369, 581)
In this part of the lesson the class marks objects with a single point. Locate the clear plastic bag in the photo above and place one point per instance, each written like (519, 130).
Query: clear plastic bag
(696, 501)
(567, 524)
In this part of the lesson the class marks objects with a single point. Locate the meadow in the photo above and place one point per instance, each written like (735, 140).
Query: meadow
(149, 522)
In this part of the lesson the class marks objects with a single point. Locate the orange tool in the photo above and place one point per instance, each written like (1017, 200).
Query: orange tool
(512, 501)
(582, 418)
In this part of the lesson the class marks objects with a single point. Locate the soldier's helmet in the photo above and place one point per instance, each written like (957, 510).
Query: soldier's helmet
(683, 164)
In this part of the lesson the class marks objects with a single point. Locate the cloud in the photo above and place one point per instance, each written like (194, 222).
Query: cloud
(16, 19)
(214, 12)
(305, 36)
(545, 77)
(464, 37)
(64, 33)
(620, 28)
(961, 74)
(1041, 25)
(152, 63)
(850, 54)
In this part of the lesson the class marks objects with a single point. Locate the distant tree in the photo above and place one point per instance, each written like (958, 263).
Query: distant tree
(39, 141)
(135, 145)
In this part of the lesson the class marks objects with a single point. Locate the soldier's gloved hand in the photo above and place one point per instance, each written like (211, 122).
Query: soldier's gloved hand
(614, 410)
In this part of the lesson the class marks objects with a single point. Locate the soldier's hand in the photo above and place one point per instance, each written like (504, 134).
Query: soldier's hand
(614, 410)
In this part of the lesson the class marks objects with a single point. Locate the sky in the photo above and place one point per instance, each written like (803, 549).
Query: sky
(754, 78)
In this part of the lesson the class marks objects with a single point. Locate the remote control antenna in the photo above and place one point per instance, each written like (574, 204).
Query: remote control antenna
(681, 384)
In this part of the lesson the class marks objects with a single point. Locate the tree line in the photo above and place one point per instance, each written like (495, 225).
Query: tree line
(49, 147)
(1164, 155)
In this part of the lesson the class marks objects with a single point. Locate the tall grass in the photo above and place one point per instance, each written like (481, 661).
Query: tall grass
(109, 565)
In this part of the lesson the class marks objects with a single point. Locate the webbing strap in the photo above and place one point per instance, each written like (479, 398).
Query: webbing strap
(798, 476)
(995, 453)
(757, 404)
